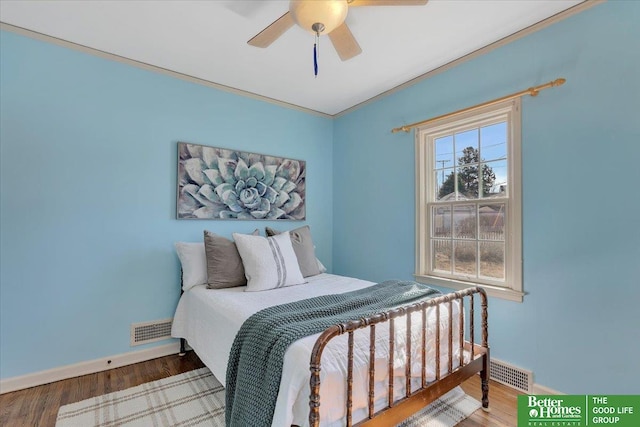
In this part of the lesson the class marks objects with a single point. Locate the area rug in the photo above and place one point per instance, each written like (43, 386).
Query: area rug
(196, 398)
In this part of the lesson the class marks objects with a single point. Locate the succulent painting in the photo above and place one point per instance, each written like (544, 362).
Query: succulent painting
(217, 183)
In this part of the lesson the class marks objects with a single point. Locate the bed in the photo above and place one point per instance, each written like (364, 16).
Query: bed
(344, 375)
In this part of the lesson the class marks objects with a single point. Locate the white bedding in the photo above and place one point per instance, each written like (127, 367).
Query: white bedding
(209, 320)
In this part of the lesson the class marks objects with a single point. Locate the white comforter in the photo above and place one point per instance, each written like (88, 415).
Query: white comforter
(210, 319)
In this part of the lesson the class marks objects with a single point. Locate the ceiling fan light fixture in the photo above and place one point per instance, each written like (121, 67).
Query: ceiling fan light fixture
(329, 14)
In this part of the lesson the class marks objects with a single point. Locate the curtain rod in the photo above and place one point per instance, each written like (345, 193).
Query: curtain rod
(533, 91)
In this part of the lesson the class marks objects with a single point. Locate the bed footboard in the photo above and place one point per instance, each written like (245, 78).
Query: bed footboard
(413, 399)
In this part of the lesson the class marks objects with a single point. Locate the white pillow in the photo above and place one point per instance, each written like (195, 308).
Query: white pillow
(269, 262)
(194, 264)
(321, 266)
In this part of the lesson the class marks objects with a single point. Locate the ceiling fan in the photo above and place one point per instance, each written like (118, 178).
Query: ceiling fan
(324, 17)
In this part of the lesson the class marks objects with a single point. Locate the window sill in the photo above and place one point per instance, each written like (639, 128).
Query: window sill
(492, 291)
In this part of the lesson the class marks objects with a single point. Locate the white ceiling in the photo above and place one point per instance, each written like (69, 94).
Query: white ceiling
(208, 40)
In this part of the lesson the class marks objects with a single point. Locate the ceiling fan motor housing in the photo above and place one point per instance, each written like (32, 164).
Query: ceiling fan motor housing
(319, 16)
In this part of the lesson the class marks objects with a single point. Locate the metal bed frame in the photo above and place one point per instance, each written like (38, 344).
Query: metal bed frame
(413, 401)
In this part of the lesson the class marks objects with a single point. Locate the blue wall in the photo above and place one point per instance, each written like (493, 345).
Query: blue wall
(88, 187)
(577, 328)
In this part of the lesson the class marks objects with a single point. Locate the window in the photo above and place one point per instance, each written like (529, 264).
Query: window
(468, 201)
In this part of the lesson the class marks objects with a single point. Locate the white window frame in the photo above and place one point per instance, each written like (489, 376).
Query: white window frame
(511, 287)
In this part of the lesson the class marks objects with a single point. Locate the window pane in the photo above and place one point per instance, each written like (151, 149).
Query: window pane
(492, 221)
(441, 221)
(465, 143)
(495, 179)
(468, 186)
(441, 250)
(445, 181)
(492, 259)
(465, 257)
(468, 158)
(444, 152)
(464, 220)
(493, 142)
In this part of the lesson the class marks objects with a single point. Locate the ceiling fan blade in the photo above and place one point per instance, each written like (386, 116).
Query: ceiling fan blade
(270, 34)
(344, 42)
(388, 2)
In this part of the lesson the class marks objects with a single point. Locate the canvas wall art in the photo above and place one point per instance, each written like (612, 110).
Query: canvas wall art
(220, 183)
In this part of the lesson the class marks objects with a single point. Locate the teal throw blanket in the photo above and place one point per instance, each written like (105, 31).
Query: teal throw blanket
(257, 354)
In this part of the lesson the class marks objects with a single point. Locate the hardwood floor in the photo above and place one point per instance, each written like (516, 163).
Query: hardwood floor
(38, 406)
(503, 403)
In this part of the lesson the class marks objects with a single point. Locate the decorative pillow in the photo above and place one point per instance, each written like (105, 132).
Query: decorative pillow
(194, 264)
(223, 263)
(303, 248)
(269, 262)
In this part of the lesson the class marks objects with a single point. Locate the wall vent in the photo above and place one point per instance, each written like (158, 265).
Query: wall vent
(512, 376)
(158, 330)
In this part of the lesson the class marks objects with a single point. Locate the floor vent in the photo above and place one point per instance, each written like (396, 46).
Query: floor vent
(510, 375)
(158, 330)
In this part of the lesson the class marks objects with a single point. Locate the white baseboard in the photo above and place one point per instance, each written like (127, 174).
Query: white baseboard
(540, 389)
(89, 367)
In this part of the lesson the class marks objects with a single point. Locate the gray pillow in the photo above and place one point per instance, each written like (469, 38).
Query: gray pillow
(224, 265)
(303, 248)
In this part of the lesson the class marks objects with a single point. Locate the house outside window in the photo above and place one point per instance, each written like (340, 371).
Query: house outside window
(469, 214)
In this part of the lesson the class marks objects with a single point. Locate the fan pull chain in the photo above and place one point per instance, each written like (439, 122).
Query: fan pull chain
(316, 54)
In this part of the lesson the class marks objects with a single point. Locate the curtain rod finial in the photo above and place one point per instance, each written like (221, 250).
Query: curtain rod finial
(401, 129)
(559, 82)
